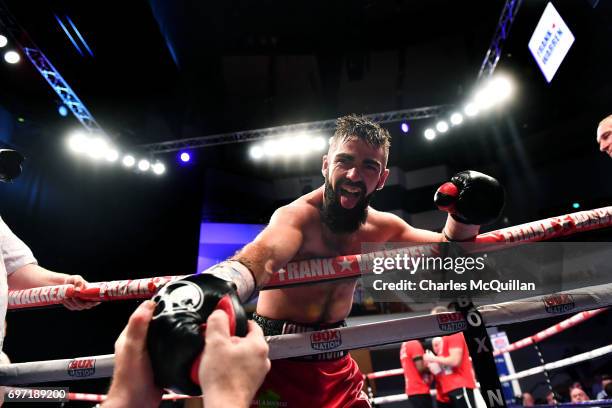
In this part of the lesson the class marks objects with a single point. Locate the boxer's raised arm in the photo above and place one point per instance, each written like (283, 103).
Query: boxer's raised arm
(404, 232)
(276, 245)
(273, 248)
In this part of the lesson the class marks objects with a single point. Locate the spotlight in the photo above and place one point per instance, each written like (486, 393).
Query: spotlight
(405, 128)
(502, 88)
(111, 155)
(185, 157)
(62, 110)
(128, 160)
(576, 206)
(485, 98)
(256, 152)
(286, 146)
(442, 126)
(144, 165)
(78, 142)
(301, 144)
(270, 148)
(319, 143)
(159, 168)
(97, 148)
(11, 57)
(430, 134)
(3, 41)
(471, 109)
(456, 118)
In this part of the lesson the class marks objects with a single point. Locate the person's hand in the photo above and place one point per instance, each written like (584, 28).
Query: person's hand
(175, 340)
(428, 357)
(77, 304)
(133, 384)
(232, 368)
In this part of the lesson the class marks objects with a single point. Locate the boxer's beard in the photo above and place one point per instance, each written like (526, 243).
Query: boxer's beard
(342, 220)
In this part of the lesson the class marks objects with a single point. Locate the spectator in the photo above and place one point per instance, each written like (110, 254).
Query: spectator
(605, 380)
(528, 400)
(552, 398)
(577, 394)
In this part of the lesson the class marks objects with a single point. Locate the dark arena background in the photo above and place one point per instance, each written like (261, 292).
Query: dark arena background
(214, 80)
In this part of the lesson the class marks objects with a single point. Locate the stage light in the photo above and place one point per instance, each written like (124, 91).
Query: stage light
(301, 145)
(271, 148)
(97, 149)
(485, 98)
(441, 126)
(3, 41)
(285, 146)
(319, 143)
(62, 110)
(430, 134)
(502, 88)
(185, 157)
(576, 206)
(11, 57)
(78, 142)
(111, 155)
(256, 152)
(471, 109)
(144, 165)
(128, 160)
(405, 128)
(159, 168)
(456, 118)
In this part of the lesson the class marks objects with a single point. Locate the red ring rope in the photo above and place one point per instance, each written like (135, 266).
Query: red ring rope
(313, 270)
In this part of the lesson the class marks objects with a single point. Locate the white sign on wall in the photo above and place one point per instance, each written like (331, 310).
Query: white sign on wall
(550, 42)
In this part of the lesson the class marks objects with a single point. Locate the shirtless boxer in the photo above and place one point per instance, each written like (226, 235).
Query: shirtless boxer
(333, 220)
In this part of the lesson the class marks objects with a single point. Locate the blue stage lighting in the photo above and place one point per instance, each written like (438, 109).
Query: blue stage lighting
(185, 157)
(405, 127)
(576, 206)
(62, 110)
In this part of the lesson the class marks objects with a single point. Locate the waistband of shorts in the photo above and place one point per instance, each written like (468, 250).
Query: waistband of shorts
(274, 327)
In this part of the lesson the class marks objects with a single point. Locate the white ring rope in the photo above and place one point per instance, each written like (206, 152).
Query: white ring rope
(343, 338)
(578, 358)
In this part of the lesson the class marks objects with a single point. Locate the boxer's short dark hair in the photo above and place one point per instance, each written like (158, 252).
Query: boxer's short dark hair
(358, 127)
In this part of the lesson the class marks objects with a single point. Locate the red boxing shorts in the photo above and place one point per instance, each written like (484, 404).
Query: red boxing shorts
(324, 384)
(326, 380)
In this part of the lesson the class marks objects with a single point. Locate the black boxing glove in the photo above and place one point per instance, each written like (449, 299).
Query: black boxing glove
(10, 164)
(471, 198)
(175, 339)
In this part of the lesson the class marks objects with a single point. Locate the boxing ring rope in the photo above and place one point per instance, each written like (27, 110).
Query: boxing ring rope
(551, 331)
(536, 338)
(589, 355)
(343, 338)
(314, 270)
(578, 358)
(384, 374)
(593, 403)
